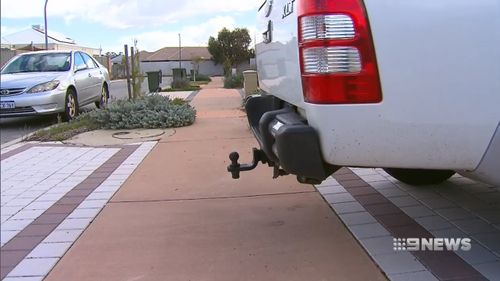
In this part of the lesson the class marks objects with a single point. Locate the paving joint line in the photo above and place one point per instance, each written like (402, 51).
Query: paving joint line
(210, 198)
(201, 140)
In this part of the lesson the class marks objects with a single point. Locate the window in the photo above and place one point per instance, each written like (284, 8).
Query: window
(39, 62)
(79, 62)
(60, 62)
(89, 61)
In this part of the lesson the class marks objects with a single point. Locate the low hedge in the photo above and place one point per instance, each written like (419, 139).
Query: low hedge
(232, 82)
(153, 111)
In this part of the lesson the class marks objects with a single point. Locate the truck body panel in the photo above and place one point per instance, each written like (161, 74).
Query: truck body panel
(439, 68)
(278, 61)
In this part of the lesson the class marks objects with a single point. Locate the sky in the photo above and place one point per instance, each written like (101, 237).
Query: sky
(108, 24)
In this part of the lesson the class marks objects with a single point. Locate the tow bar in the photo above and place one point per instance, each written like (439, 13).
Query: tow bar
(258, 156)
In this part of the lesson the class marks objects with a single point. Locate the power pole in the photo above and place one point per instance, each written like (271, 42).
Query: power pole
(180, 51)
(128, 72)
(132, 60)
(45, 18)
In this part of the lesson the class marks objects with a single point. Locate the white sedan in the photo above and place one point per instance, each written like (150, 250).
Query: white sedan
(48, 82)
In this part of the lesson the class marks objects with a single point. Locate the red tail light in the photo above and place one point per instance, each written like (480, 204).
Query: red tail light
(338, 61)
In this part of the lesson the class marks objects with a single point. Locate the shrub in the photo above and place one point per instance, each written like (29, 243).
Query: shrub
(188, 88)
(153, 111)
(178, 101)
(180, 84)
(201, 77)
(63, 131)
(232, 82)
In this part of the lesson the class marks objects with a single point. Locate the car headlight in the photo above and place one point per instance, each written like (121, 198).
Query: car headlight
(44, 87)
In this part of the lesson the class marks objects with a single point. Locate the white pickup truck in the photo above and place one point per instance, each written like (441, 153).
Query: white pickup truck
(409, 86)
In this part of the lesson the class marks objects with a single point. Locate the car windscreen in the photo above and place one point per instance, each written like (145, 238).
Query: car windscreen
(47, 62)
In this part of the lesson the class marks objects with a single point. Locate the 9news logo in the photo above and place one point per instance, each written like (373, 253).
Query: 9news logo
(432, 244)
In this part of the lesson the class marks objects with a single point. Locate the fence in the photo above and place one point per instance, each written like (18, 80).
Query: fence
(7, 54)
(106, 62)
(118, 71)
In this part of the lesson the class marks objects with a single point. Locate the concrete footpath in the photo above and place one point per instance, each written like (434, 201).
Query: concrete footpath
(180, 216)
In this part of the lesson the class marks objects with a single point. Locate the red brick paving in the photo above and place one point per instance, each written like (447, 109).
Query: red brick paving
(14, 251)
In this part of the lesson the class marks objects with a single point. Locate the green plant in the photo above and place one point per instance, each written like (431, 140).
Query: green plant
(180, 84)
(231, 82)
(196, 61)
(178, 101)
(189, 88)
(256, 92)
(153, 111)
(201, 77)
(198, 83)
(137, 77)
(230, 47)
(249, 96)
(62, 131)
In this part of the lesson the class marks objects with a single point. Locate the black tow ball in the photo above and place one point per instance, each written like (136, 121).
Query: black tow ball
(235, 168)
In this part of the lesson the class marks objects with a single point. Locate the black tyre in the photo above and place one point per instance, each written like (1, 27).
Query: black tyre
(104, 97)
(420, 176)
(71, 109)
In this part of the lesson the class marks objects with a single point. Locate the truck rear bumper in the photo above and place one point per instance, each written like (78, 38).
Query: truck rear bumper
(286, 139)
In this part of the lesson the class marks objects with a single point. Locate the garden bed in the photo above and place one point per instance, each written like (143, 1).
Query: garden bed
(149, 112)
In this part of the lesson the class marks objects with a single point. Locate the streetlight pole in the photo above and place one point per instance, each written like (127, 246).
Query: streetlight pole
(45, 17)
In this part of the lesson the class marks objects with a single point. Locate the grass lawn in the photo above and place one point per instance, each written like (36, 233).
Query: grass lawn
(193, 86)
(199, 83)
(64, 131)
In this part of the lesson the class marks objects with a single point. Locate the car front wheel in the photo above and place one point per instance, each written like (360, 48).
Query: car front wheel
(420, 176)
(71, 105)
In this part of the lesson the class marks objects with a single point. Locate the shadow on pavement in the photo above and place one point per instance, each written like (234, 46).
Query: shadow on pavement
(16, 127)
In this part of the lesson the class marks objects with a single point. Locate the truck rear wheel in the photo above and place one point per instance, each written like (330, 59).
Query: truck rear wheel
(420, 176)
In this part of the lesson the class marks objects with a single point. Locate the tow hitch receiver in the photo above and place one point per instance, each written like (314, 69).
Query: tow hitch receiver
(235, 168)
(258, 156)
(287, 142)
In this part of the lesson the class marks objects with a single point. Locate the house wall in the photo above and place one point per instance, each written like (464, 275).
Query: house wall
(207, 67)
(250, 65)
(60, 47)
(211, 69)
(68, 47)
(106, 62)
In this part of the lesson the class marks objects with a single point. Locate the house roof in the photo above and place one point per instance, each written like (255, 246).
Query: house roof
(144, 54)
(172, 54)
(36, 35)
(117, 59)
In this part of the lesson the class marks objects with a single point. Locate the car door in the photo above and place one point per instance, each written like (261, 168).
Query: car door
(95, 77)
(83, 83)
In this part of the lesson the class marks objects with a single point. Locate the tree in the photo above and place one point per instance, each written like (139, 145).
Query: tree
(111, 54)
(195, 61)
(230, 47)
(137, 77)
